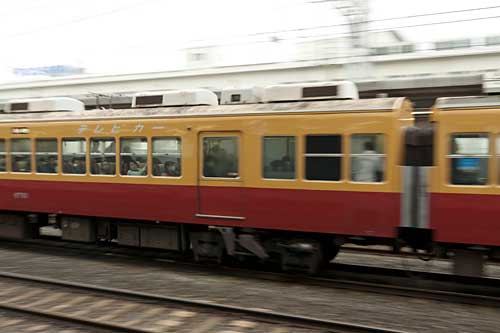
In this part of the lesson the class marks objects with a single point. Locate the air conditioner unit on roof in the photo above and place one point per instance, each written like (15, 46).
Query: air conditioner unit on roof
(311, 91)
(175, 98)
(241, 96)
(50, 104)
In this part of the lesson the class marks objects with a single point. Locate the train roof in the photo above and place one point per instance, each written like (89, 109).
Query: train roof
(329, 106)
(467, 102)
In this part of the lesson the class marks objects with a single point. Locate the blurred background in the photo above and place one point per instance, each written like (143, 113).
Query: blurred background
(132, 44)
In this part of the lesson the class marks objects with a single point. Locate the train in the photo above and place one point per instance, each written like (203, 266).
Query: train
(286, 173)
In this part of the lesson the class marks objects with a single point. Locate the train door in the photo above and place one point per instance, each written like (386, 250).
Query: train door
(219, 176)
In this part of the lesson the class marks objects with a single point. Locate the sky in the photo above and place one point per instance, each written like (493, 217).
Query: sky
(126, 36)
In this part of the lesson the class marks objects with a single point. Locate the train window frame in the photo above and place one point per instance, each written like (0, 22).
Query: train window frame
(204, 155)
(497, 158)
(15, 153)
(340, 156)
(122, 154)
(102, 155)
(295, 159)
(85, 153)
(451, 156)
(382, 155)
(4, 153)
(56, 154)
(154, 154)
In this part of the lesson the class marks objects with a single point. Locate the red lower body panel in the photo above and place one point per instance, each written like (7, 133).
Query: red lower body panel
(354, 213)
(466, 218)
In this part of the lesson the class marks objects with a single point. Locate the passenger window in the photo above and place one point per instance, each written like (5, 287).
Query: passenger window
(469, 159)
(20, 155)
(279, 157)
(220, 157)
(134, 157)
(367, 158)
(323, 157)
(167, 157)
(46, 156)
(103, 156)
(74, 156)
(3, 156)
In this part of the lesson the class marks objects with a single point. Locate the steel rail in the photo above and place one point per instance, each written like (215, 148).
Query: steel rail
(260, 315)
(71, 319)
(335, 278)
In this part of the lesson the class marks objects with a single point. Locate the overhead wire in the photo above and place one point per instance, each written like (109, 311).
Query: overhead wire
(329, 35)
(284, 31)
(362, 22)
(80, 19)
(363, 31)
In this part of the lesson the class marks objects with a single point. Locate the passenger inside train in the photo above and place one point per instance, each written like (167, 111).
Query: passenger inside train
(171, 169)
(47, 164)
(135, 169)
(367, 163)
(219, 157)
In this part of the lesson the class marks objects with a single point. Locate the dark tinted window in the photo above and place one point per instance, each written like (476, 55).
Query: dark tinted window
(19, 106)
(323, 144)
(148, 100)
(326, 91)
(323, 157)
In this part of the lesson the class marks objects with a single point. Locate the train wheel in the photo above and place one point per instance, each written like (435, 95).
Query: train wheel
(299, 255)
(207, 246)
(330, 251)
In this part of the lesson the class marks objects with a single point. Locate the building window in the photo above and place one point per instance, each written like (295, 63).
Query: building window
(74, 156)
(3, 156)
(278, 157)
(220, 157)
(103, 156)
(46, 156)
(167, 157)
(367, 158)
(469, 159)
(323, 157)
(20, 155)
(133, 156)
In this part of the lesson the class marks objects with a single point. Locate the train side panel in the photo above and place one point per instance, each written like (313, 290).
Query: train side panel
(339, 207)
(466, 211)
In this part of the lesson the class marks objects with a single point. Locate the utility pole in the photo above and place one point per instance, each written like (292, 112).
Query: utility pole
(356, 12)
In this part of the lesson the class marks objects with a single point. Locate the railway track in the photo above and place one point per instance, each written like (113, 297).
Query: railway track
(120, 310)
(388, 281)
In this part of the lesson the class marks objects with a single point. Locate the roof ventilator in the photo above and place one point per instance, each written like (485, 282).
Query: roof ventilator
(52, 104)
(339, 90)
(175, 98)
(241, 96)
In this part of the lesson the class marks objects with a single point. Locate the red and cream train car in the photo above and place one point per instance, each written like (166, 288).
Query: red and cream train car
(292, 178)
(265, 177)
